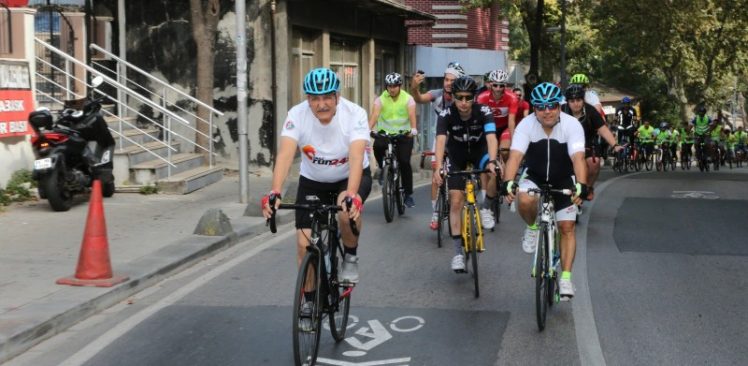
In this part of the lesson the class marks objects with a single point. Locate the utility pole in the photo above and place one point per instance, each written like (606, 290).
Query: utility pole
(564, 82)
(241, 98)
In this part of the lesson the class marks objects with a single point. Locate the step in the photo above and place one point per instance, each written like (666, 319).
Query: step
(190, 180)
(153, 170)
(113, 122)
(147, 135)
(136, 154)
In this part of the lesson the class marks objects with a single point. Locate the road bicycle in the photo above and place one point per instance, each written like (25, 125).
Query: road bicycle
(393, 194)
(702, 153)
(472, 231)
(685, 156)
(318, 274)
(442, 201)
(499, 200)
(546, 262)
(740, 155)
(646, 158)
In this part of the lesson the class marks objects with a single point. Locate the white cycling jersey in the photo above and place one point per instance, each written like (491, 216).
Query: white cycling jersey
(324, 148)
(591, 98)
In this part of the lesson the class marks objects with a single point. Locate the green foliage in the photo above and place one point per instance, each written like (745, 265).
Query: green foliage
(149, 189)
(18, 188)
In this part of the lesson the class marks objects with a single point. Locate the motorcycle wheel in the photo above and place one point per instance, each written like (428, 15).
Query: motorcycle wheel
(107, 189)
(60, 199)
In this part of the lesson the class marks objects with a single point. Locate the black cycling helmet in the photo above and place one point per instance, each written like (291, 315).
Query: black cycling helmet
(464, 84)
(701, 109)
(574, 91)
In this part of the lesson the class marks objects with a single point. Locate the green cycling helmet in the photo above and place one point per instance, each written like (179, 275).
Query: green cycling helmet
(579, 79)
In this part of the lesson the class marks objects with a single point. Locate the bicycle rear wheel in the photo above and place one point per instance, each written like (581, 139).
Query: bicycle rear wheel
(541, 278)
(306, 325)
(339, 302)
(388, 194)
(474, 220)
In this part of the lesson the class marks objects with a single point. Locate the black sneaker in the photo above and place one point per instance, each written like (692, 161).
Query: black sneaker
(409, 201)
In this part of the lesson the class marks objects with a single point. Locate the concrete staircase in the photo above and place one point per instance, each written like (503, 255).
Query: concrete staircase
(136, 167)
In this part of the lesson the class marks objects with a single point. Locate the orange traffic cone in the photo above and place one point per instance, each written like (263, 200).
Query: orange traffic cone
(94, 266)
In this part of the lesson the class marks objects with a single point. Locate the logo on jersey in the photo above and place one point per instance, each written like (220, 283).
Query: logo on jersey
(311, 153)
(289, 125)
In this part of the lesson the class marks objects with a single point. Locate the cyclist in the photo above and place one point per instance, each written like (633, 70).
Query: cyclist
(468, 132)
(686, 142)
(590, 96)
(331, 133)
(645, 133)
(702, 125)
(523, 107)
(552, 144)
(593, 126)
(666, 138)
(395, 111)
(503, 104)
(742, 138)
(731, 143)
(440, 100)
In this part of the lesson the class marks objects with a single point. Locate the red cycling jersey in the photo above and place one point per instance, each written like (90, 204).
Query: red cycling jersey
(502, 108)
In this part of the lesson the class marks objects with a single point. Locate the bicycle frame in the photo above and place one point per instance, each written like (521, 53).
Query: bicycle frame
(471, 201)
(546, 219)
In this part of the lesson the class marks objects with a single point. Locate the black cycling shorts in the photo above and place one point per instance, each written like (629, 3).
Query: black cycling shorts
(327, 194)
(459, 158)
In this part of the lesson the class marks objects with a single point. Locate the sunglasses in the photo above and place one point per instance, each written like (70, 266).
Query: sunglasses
(498, 85)
(464, 98)
(546, 106)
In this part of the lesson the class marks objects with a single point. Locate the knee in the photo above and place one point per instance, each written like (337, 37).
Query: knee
(566, 228)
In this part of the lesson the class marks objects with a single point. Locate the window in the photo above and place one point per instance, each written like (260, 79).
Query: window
(304, 57)
(345, 60)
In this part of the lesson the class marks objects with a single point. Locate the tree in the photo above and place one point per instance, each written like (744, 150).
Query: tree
(205, 15)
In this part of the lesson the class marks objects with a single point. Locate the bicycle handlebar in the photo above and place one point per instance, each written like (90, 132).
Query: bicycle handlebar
(532, 191)
(467, 172)
(318, 207)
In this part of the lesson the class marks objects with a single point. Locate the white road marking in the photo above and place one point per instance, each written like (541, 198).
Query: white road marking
(392, 361)
(93, 348)
(588, 340)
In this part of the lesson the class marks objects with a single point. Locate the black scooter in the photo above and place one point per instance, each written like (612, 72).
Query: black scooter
(73, 151)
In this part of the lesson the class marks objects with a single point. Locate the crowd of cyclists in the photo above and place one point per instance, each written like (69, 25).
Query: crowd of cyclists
(554, 137)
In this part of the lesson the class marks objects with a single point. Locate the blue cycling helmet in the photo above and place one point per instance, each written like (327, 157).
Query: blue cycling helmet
(321, 81)
(626, 100)
(545, 93)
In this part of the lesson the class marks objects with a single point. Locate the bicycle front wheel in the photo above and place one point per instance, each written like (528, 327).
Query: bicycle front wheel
(441, 205)
(388, 194)
(474, 220)
(541, 278)
(306, 314)
(399, 194)
(339, 302)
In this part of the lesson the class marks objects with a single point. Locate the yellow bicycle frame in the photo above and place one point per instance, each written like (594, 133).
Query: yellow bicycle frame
(467, 222)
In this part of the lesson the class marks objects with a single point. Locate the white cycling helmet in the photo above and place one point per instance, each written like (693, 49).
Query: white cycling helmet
(498, 76)
(393, 78)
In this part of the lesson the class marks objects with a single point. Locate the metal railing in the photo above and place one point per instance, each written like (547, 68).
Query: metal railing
(161, 107)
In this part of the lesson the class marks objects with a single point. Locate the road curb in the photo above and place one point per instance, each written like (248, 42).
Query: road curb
(145, 272)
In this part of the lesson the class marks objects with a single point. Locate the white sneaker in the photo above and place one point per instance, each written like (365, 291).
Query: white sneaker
(349, 272)
(486, 219)
(565, 289)
(530, 240)
(458, 263)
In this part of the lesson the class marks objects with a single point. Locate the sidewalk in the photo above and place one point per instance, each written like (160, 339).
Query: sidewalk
(149, 238)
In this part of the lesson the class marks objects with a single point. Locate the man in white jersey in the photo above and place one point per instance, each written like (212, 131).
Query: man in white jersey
(332, 133)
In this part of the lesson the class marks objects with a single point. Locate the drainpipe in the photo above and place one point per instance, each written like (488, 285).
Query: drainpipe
(241, 98)
(273, 76)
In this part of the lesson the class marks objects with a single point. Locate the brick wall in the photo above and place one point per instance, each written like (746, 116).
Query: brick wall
(454, 28)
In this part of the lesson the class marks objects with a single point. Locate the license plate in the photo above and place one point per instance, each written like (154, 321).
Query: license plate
(42, 164)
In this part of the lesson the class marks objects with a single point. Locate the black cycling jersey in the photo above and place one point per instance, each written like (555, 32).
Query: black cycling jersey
(625, 115)
(591, 121)
(471, 132)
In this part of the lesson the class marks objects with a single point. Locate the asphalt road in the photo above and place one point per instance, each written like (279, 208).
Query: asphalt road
(657, 275)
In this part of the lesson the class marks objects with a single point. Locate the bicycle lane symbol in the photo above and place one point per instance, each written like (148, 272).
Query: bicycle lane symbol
(371, 335)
